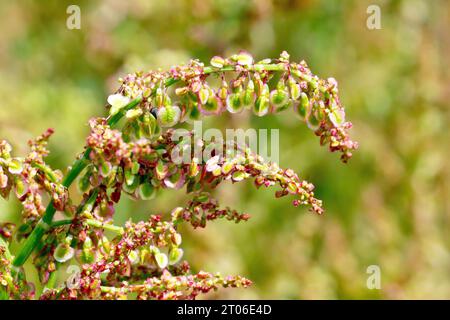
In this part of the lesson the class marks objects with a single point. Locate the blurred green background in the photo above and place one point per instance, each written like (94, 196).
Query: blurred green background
(389, 206)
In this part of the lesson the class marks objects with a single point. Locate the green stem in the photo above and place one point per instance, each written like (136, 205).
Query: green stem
(60, 223)
(105, 226)
(91, 222)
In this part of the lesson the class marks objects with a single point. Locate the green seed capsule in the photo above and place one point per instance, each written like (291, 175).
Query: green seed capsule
(294, 88)
(212, 106)
(15, 166)
(302, 106)
(168, 116)
(63, 252)
(117, 102)
(261, 106)
(129, 177)
(175, 255)
(105, 169)
(234, 103)
(223, 91)
(20, 187)
(337, 117)
(194, 113)
(248, 95)
(278, 98)
(312, 121)
(217, 61)
(147, 125)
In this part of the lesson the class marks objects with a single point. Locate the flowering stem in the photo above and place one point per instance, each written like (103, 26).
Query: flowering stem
(46, 221)
(60, 223)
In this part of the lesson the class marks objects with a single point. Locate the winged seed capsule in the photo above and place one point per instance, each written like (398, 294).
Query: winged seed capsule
(168, 116)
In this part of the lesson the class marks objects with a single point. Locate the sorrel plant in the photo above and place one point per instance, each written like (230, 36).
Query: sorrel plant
(129, 151)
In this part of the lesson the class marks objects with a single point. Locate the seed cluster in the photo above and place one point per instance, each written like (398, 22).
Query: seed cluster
(234, 85)
(142, 157)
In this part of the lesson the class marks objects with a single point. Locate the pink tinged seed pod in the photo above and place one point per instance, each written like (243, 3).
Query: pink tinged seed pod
(194, 112)
(3, 179)
(176, 239)
(212, 106)
(213, 164)
(223, 92)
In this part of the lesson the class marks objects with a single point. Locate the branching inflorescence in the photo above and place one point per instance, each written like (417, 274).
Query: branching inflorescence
(144, 260)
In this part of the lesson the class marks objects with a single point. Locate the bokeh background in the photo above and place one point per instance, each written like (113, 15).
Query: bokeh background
(389, 206)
